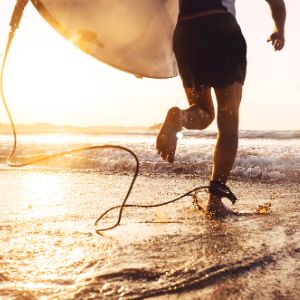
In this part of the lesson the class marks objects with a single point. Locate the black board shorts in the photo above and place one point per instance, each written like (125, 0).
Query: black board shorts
(210, 51)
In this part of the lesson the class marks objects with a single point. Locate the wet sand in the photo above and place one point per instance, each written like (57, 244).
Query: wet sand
(49, 248)
(248, 257)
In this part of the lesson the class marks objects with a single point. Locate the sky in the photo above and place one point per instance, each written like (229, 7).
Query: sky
(48, 80)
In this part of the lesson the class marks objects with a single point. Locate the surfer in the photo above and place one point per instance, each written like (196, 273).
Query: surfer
(211, 54)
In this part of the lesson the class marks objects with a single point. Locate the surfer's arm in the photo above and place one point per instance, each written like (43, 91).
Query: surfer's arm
(278, 12)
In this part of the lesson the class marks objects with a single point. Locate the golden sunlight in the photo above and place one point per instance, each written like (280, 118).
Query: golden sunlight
(49, 80)
(43, 193)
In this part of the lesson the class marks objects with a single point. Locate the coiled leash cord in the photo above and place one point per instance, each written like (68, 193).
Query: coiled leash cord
(215, 187)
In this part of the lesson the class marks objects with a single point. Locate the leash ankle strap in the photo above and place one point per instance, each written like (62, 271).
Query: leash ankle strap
(222, 190)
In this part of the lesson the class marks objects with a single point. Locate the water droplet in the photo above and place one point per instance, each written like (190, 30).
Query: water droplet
(179, 135)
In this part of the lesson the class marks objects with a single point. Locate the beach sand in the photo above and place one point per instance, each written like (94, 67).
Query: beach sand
(49, 249)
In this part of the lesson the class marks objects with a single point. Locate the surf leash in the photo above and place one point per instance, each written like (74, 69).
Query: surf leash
(215, 188)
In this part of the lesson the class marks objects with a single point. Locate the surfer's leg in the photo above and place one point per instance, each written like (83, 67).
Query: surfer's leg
(198, 116)
(228, 99)
(201, 112)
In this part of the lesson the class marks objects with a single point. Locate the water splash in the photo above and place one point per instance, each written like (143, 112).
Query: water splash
(264, 209)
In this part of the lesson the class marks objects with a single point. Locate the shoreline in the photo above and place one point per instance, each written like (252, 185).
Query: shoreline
(49, 247)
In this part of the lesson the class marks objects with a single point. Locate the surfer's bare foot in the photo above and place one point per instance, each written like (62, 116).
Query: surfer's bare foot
(166, 141)
(216, 209)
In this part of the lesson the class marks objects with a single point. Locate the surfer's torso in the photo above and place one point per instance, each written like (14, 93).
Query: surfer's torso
(193, 7)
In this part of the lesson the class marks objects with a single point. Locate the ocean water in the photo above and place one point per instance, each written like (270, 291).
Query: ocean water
(49, 248)
(262, 155)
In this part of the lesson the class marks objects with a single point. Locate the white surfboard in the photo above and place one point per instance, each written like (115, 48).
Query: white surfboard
(132, 35)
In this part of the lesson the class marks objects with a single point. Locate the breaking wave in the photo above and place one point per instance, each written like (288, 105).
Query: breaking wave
(262, 155)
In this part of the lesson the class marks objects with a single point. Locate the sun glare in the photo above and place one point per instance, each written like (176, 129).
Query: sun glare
(48, 80)
(43, 194)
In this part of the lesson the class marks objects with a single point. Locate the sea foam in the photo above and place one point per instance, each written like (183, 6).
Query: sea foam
(262, 155)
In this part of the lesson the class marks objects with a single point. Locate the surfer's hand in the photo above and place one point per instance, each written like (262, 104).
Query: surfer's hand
(277, 40)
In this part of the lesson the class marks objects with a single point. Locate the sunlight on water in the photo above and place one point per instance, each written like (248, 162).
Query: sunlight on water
(179, 135)
(44, 192)
(63, 139)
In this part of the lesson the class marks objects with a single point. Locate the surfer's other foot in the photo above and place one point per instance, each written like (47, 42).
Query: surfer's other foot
(166, 141)
(216, 209)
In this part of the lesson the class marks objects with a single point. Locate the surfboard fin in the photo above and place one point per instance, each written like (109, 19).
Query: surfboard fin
(222, 190)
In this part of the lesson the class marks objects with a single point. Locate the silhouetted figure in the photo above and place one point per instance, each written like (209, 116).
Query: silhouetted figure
(211, 53)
